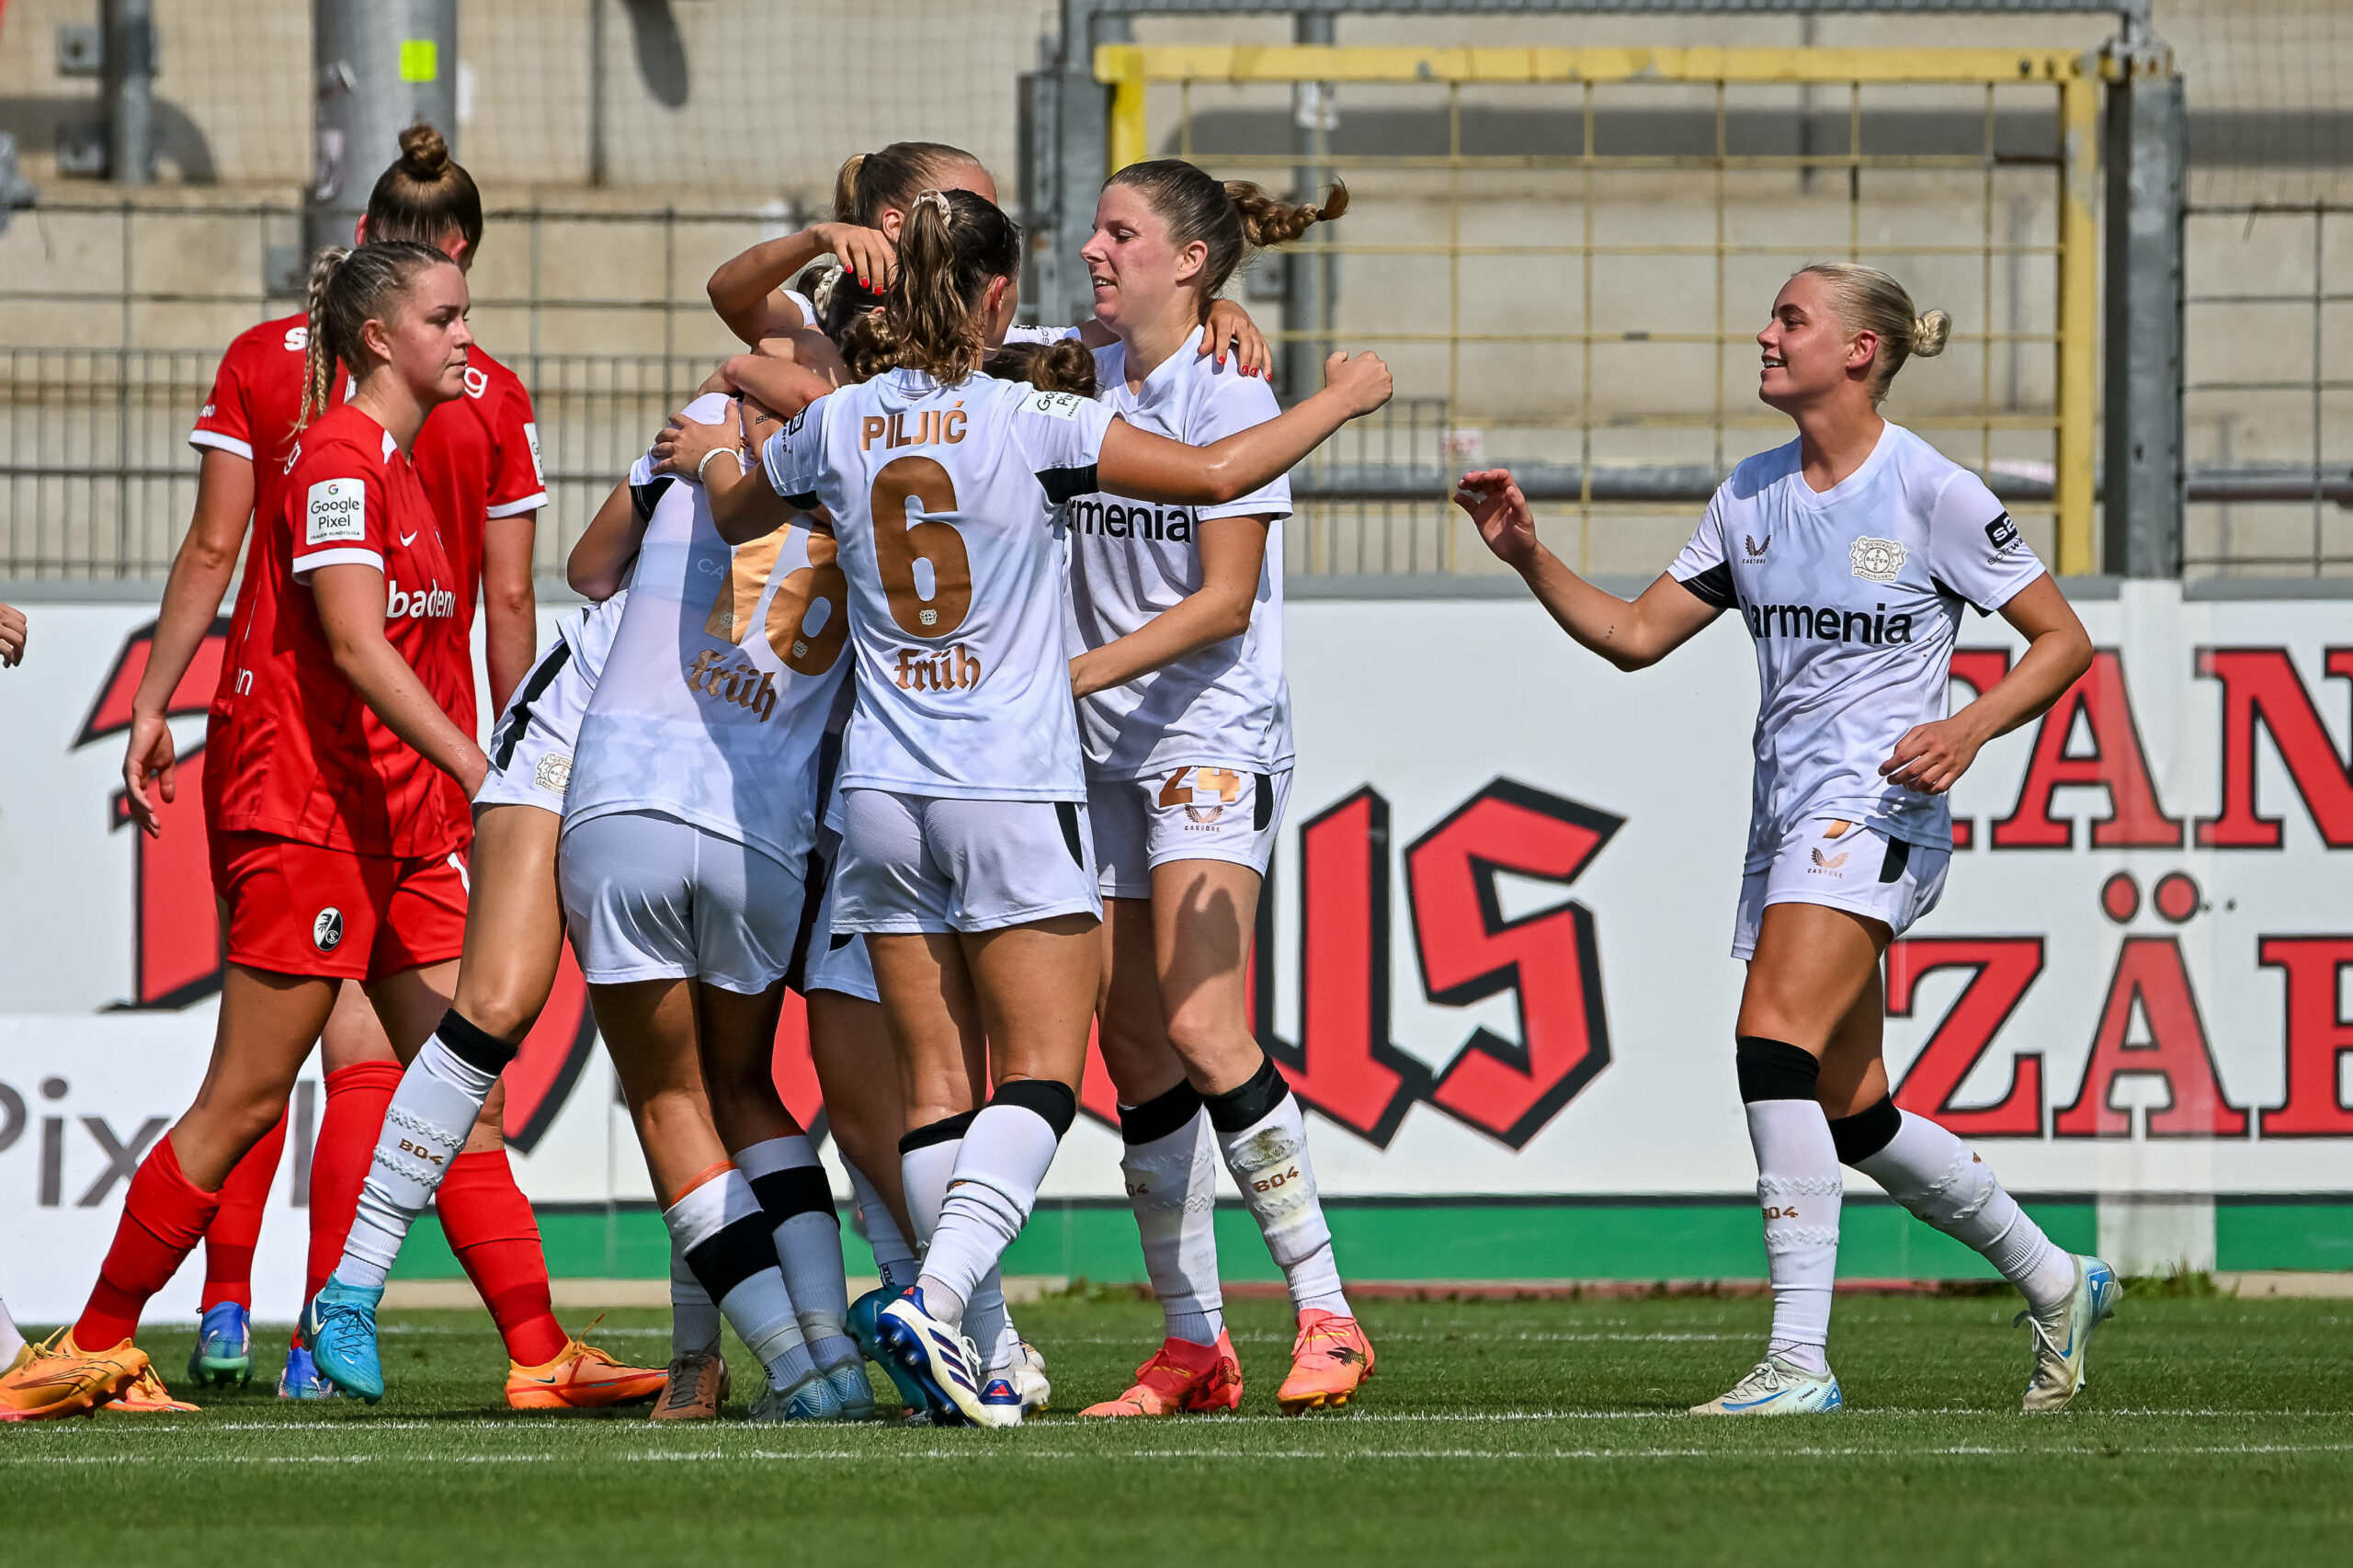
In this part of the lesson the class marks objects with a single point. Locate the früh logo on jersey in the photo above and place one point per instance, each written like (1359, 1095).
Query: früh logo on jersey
(2145, 1020)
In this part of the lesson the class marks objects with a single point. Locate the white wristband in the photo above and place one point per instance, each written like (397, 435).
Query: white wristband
(715, 452)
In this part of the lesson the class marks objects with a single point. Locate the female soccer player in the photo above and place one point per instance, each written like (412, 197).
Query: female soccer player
(479, 465)
(344, 777)
(966, 857)
(1849, 553)
(1185, 720)
(871, 195)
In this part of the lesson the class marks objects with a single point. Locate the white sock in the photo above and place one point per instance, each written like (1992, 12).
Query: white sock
(1936, 1176)
(925, 1173)
(10, 1340)
(1799, 1188)
(792, 1186)
(1171, 1187)
(1002, 1160)
(694, 1316)
(894, 1256)
(727, 1243)
(1267, 1157)
(431, 1114)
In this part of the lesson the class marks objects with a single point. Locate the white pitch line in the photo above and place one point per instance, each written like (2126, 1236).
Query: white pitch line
(985, 1453)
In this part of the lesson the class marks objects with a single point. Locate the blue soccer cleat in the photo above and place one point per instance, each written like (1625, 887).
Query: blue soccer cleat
(811, 1399)
(851, 1388)
(863, 1315)
(942, 1361)
(339, 1328)
(1776, 1387)
(224, 1357)
(301, 1379)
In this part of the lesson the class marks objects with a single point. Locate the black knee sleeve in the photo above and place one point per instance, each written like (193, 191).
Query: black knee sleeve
(946, 1130)
(1247, 1104)
(784, 1195)
(1774, 1070)
(1051, 1101)
(476, 1047)
(1866, 1133)
(733, 1254)
(1159, 1116)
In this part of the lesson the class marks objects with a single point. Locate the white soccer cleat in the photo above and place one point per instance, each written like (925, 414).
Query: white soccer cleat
(942, 1362)
(2062, 1337)
(1027, 1372)
(1777, 1387)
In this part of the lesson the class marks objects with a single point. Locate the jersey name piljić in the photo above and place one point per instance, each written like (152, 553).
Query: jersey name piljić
(945, 499)
(1853, 596)
(713, 702)
(1223, 705)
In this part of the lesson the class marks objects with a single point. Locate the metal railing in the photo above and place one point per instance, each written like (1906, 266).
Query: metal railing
(2267, 390)
(1625, 387)
(119, 312)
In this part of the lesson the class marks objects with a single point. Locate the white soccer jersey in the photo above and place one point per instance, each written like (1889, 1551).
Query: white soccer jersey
(1226, 704)
(590, 630)
(944, 500)
(1854, 597)
(713, 700)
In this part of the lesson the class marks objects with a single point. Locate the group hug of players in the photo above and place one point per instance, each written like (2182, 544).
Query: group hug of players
(934, 670)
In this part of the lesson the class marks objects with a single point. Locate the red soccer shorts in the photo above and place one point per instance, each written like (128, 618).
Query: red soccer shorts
(297, 908)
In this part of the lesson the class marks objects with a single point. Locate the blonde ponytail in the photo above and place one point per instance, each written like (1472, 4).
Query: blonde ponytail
(952, 244)
(318, 363)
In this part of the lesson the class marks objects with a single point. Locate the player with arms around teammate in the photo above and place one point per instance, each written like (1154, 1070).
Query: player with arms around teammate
(345, 778)
(478, 459)
(1849, 553)
(966, 857)
(1185, 720)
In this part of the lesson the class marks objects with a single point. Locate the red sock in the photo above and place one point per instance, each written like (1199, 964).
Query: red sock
(228, 1244)
(356, 1096)
(491, 1228)
(163, 1218)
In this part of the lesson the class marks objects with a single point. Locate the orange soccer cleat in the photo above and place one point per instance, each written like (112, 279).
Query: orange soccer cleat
(581, 1377)
(146, 1396)
(1181, 1376)
(1329, 1360)
(58, 1379)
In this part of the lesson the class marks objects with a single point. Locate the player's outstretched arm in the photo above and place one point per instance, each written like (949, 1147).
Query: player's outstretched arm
(600, 558)
(351, 603)
(1930, 758)
(748, 292)
(1629, 635)
(743, 505)
(1153, 468)
(192, 595)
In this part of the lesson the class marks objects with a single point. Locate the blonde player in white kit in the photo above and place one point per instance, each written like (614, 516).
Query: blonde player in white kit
(966, 857)
(1850, 554)
(686, 837)
(1185, 720)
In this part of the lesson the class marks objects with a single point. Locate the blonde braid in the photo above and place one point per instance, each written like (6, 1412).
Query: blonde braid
(318, 360)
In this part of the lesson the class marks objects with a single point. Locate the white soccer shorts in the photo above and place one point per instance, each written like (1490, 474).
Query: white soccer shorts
(650, 897)
(929, 863)
(837, 960)
(531, 746)
(1187, 813)
(1848, 866)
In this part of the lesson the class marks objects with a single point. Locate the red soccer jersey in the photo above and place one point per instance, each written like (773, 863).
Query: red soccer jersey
(479, 457)
(296, 751)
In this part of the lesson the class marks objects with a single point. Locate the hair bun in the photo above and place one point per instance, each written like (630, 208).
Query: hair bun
(1930, 332)
(423, 153)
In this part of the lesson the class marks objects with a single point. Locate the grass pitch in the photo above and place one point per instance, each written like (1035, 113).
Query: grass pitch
(2213, 1430)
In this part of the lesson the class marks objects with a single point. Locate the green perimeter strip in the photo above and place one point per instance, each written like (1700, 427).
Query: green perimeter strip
(1470, 1240)
(2254, 1235)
